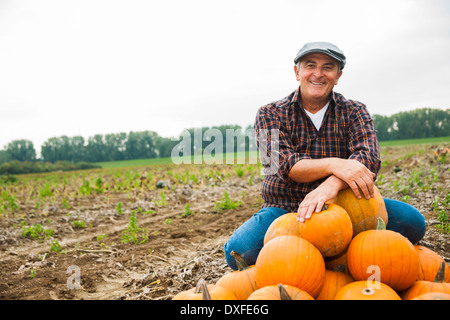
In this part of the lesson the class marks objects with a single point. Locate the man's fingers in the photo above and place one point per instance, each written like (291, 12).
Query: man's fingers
(320, 205)
(301, 214)
(355, 189)
(363, 187)
(304, 212)
(310, 211)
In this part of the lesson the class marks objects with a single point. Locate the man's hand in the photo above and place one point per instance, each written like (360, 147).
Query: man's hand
(316, 199)
(356, 175)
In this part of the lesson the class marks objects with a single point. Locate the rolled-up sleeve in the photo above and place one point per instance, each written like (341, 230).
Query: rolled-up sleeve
(276, 150)
(363, 142)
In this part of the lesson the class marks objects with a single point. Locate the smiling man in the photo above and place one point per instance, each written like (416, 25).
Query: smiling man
(324, 143)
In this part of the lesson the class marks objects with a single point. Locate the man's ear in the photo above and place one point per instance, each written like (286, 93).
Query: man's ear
(337, 79)
(296, 73)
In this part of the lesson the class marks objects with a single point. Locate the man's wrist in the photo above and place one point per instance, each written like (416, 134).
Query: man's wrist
(336, 182)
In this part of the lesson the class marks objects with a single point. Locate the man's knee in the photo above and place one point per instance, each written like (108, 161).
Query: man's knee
(405, 219)
(248, 239)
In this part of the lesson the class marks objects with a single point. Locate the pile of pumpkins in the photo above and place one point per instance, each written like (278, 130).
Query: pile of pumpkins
(343, 252)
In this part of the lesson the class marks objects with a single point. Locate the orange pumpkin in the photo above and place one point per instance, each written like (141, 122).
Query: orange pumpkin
(292, 261)
(429, 264)
(329, 230)
(433, 296)
(242, 281)
(363, 212)
(334, 281)
(360, 290)
(285, 225)
(387, 253)
(205, 292)
(421, 286)
(280, 292)
(341, 259)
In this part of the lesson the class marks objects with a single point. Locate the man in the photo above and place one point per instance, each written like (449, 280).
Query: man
(324, 143)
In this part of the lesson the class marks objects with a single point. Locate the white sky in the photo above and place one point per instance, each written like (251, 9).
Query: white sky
(102, 66)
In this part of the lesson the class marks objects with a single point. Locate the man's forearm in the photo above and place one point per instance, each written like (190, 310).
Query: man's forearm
(309, 170)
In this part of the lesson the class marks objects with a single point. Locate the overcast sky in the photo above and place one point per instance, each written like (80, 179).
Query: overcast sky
(102, 66)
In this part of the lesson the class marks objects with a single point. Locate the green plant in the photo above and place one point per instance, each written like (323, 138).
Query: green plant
(134, 233)
(240, 172)
(36, 231)
(226, 203)
(55, 247)
(78, 224)
(187, 211)
(441, 208)
(9, 201)
(65, 204)
(99, 188)
(250, 179)
(45, 191)
(85, 188)
(163, 199)
(119, 208)
(102, 237)
(33, 273)
(406, 198)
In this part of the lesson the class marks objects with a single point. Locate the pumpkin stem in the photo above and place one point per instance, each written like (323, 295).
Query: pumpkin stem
(441, 273)
(368, 291)
(339, 268)
(381, 225)
(205, 292)
(239, 261)
(325, 207)
(198, 287)
(284, 295)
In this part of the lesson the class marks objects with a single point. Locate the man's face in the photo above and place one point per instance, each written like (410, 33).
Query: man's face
(318, 74)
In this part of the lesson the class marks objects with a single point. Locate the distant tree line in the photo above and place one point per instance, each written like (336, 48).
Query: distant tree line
(419, 123)
(123, 146)
(18, 167)
(415, 124)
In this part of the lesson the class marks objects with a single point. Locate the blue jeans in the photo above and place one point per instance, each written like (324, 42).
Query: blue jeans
(248, 239)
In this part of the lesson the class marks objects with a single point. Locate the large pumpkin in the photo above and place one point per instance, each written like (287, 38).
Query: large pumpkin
(386, 254)
(360, 290)
(329, 230)
(280, 292)
(334, 281)
(242, 281)
(205, 292)
(429, 264)
(285, 225)
(421, 286)
(290, 260)
(363, 212)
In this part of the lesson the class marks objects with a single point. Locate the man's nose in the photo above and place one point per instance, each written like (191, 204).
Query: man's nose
(318, 72)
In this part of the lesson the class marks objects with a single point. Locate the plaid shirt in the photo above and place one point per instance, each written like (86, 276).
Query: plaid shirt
(347, 132)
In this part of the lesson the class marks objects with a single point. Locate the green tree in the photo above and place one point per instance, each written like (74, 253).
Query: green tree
(95, 149)
(21, 150)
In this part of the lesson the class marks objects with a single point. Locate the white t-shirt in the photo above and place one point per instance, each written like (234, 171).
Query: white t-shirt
(317, 117)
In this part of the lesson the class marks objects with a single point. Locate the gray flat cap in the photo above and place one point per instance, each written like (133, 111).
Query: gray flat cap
(322, 47)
